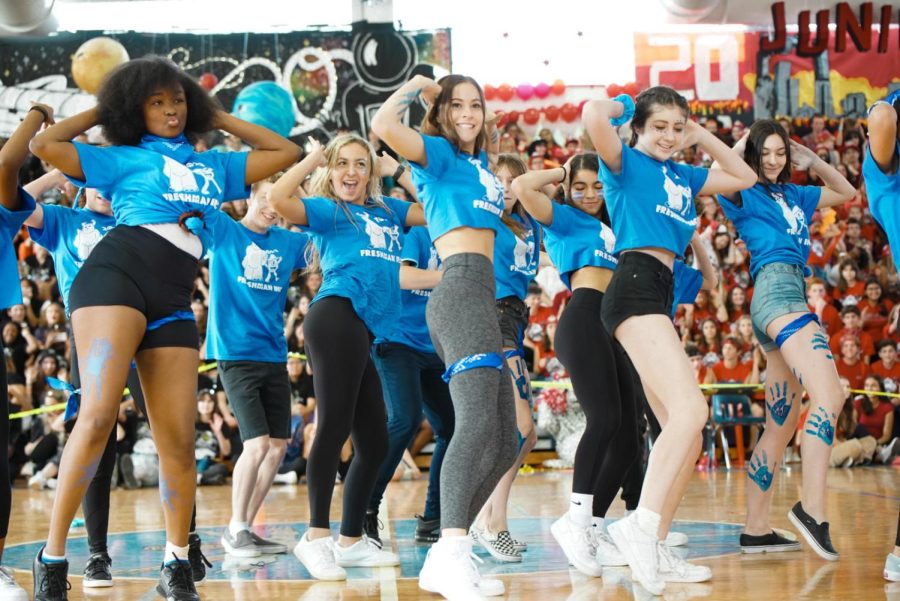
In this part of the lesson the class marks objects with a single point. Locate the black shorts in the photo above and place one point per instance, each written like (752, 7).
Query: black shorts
(135, 267)
(260, 397)
(513, 316)
(641, 285)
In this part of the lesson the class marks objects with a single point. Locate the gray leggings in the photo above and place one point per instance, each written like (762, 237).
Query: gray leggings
(462, 320)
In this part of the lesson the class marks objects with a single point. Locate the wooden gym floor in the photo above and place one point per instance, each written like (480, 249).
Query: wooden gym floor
(863, 504)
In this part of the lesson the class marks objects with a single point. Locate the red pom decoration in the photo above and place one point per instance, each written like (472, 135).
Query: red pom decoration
(613, 90)
(513, 116)
(208, 81)
(632, 89)
(505, 92)
(569, 112)
(552, 113)
(532, 116)
(490, 92)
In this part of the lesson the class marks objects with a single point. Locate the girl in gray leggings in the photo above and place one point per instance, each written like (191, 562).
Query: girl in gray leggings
(463, 202)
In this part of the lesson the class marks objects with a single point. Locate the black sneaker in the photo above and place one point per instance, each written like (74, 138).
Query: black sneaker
(176, 583)
(50, 579)
(768, 543)
(815, 534)
(427, 531)
(197, 559)
(98, 571)
(371, 527)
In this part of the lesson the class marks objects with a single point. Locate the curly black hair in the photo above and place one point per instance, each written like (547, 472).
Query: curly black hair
(120, 101)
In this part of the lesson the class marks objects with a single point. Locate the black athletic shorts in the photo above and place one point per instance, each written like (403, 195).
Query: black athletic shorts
(138, 268)
(513, 316)
(641, 285)
(260, 397)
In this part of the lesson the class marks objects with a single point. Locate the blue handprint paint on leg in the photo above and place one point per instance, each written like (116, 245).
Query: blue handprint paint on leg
(521, 380)
(819, 425)
(167, 494)
(820, 342)
(759, 471)
(797, 375)
(780, 408)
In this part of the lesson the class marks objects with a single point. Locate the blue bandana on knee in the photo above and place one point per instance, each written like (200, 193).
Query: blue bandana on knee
(474, 362)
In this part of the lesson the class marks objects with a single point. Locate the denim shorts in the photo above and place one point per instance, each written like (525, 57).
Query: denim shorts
(779, 289)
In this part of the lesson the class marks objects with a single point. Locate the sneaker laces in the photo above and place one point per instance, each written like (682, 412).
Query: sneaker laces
(97, 566)
(179, 576)
(52, 584)
(589, 536)
(323, 553)
(467, 559)
(605, 540)
(670, 561)
(195, 553)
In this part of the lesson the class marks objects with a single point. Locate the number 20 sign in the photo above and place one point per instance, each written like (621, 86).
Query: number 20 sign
(701, 66)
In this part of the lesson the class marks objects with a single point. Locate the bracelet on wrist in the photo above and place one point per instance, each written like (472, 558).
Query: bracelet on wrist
(42, 111)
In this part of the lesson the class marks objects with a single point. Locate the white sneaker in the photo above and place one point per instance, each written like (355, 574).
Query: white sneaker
(676, 539)
(639, 549)
(673, 568)
(450, 572)
(37, 481)
(578, 544)
(9, 590)
(365, 554)
(608, 553)
(286, 478)
(318, 557)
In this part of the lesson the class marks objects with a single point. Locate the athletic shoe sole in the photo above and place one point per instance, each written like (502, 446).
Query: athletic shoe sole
(811, 540)
(238, 552)
(795, 546)
(97, 583)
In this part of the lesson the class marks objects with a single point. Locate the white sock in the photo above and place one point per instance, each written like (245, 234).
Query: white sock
(628, 512)
(47, 558)
(598, 523)
(648, 520)
(580, 509)
(173, 551)
(235, 526)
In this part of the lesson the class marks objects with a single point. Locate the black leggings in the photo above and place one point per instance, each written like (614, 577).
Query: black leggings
(5, 485)
(349, 402)
(602, 382)
(95, 503)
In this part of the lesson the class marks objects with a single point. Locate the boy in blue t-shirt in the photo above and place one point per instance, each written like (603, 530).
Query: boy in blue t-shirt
(250, 271)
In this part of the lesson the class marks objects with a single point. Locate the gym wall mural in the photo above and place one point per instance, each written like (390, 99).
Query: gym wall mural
(298, 83)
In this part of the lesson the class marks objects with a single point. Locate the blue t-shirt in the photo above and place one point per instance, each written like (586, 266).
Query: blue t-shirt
(10, 223)
(360, 258)
(884, 191)
(575, 239)
(516, 259)
(651, 204)
(411, 328)
(249, 278)
(688, 282)
(69, 235)
(456, 189)
(145, 186)
(773, 223)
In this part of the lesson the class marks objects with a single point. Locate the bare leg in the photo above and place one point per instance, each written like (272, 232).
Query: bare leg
(243, 480)
(169, 379)
(107, 337)
(267, 471)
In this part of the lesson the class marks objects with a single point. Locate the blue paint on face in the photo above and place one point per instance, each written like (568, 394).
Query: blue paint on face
(819, 425)
(758, 471)
(780, 408)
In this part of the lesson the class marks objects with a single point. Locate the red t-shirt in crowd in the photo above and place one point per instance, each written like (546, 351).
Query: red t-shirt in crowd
(866, 344)
(831, 319)
(874, 423)
(734, 375)
(875, 317)
(857, 291)
(884, 373)
(855, 374)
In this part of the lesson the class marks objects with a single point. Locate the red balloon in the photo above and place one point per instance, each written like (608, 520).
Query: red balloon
(513, 116)
(490, 92)
(502, 120)
(505, 92)
(542, 90)
(532, 116)
(632, 89)
(569, 112)
(613, 90)
(525, 91)
(558, 88)
(208, 81)
(552, 113)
